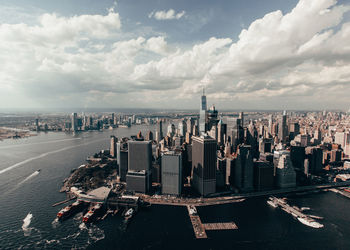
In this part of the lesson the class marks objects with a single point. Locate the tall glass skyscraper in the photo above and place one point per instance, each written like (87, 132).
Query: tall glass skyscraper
(203, 114)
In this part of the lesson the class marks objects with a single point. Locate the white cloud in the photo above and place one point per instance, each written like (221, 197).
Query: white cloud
(298, 59)
(166, 15)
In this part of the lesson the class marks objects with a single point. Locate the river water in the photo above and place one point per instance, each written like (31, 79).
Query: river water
(27, 215)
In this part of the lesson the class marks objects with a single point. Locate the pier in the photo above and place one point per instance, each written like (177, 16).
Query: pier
(200, 228)
(296, 212)
(235, 198)
(65, 201)
(342, 192)
(220, 226)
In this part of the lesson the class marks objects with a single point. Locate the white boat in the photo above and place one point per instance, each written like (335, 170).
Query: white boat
(272, 204)
(310, 223)
(193, 210)
(129, 212)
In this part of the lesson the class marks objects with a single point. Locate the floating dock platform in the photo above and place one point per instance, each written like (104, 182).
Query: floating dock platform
(220, 226)
(200, 228)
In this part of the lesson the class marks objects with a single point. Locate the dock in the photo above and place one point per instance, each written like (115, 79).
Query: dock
(65, 201)
(342, 192)
(296, 212)
(220, 226)
(200, 228)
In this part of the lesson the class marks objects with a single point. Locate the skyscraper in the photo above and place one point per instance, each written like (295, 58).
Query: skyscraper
(139, 166)
(203, 114)
(315, 157)
(182, 128)
(270, 124)
(285, 175)
(113, 149)
(190, 124)
(237, 134)
(122, 159)
(204, 164)
(171, 173)
(222, 132)
(241, 117)
(244, 168)
(171, 130)
(283, 128)
(160, 130)
(74, 122)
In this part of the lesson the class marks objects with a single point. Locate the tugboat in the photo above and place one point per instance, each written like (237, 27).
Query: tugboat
(129, 213)
(70, 210)
(92, 213)
(272, 202)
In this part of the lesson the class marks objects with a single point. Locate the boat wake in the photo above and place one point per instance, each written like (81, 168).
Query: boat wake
(82, 226)
(38, 143)
(26, 222)
(43, 155)
(28, 178)
(22, 182)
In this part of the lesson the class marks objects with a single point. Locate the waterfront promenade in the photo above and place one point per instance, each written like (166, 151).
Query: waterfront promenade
(233, 198)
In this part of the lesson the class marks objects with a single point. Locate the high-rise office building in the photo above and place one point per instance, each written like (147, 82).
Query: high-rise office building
(244, 168)
(122, 159)
(343, 138)
(212, 118)
(222, 132)
(265, 145)
(241, 117)
(237, 134)
(189, 125)
(276, 157)
(160, 130)
(171, 130)
(297, 156)
(113, 148)
(171, 173)
(285, 174)
(230, 166)
(221, 171)
(140, 155)
(263, 175)
(139, 166)
(37, 127)
(182, 128)
(203, 114)
(149, 136)
(204, 164)
(294, 130)
(74, 122)
(315, 157)
(270, 124)
(283, 128)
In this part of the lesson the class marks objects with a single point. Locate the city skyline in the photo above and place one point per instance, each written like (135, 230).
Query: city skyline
(109, 54)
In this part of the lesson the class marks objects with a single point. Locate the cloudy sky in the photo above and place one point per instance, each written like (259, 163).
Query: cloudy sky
(249, 54)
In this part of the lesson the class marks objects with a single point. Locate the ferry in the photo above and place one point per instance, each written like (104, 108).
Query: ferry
(272, 203)
(92, 213)
(310, 222)
(70, 209)
(296, 212)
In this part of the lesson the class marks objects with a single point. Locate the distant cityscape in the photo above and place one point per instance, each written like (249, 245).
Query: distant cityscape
(211, 153)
